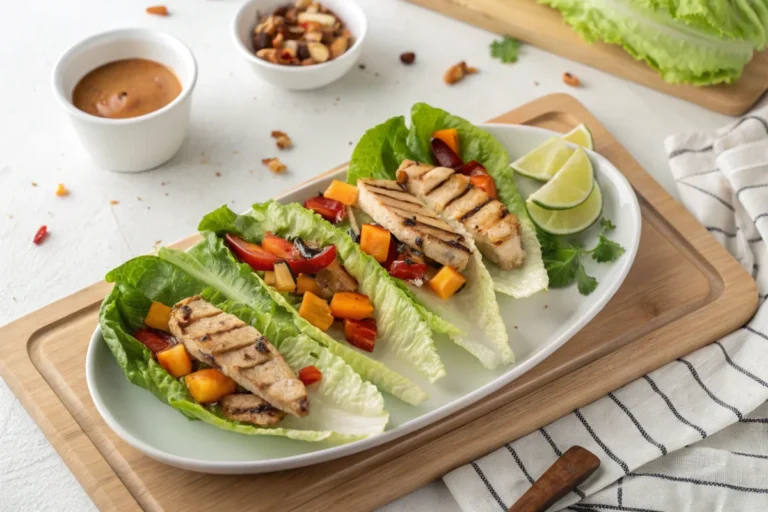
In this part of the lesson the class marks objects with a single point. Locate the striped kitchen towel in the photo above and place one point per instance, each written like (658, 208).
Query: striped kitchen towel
(692, 435)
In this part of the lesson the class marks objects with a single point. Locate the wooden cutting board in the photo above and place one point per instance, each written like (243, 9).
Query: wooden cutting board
(544, 27)
(683, 291)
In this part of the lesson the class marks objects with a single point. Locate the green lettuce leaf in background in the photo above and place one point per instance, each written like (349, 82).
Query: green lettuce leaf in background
(212, 263)
(343, 406)
(698, 42)
(406, 342)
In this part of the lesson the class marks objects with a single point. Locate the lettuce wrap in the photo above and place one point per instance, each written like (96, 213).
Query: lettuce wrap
(406, 343)
(382, 148)
(343, 407)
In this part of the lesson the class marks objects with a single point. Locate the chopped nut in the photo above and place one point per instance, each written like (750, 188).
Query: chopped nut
(269, 25)
(407, 57)
(317, 17)
(303, 4)
(114, 201)
(158, 10)
(313, 36)
(292, 16)
(282, 139)
(218, 174)
(319, 52)
(457, 72)
(277, 41)
(307, 62)
(339, 46)
(314, 7)
(268, 54)
(274, 165)
(292, 46)
(61, 190)
(571, 80)
(34, 183)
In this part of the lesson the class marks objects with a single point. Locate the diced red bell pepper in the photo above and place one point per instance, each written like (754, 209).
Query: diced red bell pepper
(444, 155)
(40, 235)
(156, 341)
(472, 168)
(253, 254)
(280, 247)
(361, 333)
(392, 254)
(309, 375)
(329, 209)
(314, 264)
(485, 183)
(407, 270)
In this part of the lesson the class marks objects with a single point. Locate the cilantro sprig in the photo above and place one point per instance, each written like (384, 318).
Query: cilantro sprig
(505, 49)
(562, 258)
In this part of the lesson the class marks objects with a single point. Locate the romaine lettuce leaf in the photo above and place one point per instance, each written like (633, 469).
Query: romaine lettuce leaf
(475, 311)
(212, 263)
(343, 406)
(405, 337)
(693, 48)
(380, 150)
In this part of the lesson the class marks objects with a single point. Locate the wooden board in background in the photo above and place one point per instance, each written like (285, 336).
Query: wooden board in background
(544, 27)
(683, 292)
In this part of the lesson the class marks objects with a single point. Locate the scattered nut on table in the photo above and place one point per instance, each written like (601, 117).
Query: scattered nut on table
(457, 72)
(301, 34)
(571, 80)
(282, 139)
(407, 57)
(274, 165)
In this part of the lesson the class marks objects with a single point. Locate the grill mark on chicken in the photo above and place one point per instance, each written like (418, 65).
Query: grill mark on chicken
(399, 194)
(239, 351)
(474, 210)
(440, 184)
(462, 194)
(248, 408)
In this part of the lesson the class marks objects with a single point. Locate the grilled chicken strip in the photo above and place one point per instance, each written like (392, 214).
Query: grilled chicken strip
(495, 230)
(412, 222)
(240, 352)
(249, 408)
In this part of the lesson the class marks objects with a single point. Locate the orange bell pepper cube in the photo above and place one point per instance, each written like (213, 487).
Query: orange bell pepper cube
(447, 282)
(341, 192)
(210, 385)
(374, 240)
(304, 284)
(351, 306)
(485, 183)
(175, 360)
(158, 317)
(316, 311)
(450, 136)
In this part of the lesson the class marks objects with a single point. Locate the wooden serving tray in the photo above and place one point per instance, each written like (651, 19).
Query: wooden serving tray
(544, 27)
(683, 292)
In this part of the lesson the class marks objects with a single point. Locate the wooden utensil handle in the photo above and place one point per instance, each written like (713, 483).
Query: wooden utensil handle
(571, 469)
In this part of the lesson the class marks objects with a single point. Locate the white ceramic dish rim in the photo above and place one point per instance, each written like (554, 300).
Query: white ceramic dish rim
(248, 53)
(296, 461)
(149, 34)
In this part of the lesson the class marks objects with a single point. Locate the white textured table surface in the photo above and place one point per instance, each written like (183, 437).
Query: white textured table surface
(233, 113)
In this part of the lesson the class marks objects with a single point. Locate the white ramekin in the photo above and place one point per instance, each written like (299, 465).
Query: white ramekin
(299, 77)
(138, 143)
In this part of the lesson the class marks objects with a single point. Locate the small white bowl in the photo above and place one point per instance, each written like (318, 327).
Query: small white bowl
(137, 143)
(300, 77)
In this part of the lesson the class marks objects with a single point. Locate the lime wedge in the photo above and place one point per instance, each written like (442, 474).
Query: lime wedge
(543, 162)
(580, 136)
(568, 222)
(569, 187)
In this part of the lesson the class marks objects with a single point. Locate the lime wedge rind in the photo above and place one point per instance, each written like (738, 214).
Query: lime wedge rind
(568, 222)
(544, 161)
(570, 186)
(581, 136)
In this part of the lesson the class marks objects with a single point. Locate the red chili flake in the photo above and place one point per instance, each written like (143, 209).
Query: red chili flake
(41, 235)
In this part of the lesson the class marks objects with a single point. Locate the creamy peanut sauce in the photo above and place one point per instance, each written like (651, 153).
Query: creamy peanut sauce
(126, 88)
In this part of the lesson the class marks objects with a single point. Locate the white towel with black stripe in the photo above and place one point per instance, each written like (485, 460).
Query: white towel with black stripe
(692, 435)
